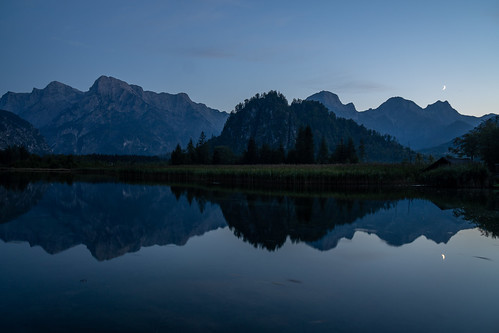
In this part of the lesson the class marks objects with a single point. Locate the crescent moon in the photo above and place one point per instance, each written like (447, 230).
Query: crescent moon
(445, 87)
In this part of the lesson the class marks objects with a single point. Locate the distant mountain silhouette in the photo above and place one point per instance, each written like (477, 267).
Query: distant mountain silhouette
(412, 125)
(113, 117)
(15, 131)
(269, 119)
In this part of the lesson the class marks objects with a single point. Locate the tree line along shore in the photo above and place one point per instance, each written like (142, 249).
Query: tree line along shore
(319, 176)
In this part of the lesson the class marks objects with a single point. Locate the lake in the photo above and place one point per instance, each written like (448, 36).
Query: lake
(116, 257)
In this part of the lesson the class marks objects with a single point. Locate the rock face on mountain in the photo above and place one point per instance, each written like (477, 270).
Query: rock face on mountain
(412, 125)
(15, 131)
(268, 119)
(113, 117)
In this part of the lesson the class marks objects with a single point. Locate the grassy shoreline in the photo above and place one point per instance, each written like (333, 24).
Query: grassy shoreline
(314, 176)
(287, 176)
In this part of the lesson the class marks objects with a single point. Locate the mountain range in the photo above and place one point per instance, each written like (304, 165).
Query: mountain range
(413, 126)
(113, 117)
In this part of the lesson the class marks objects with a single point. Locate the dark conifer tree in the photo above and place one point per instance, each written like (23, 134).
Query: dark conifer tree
(265, 154)
(339, 154)
(304, 146)
(251, 153)
(223, 155)
(191, 153)
(323, 154)
(279, 155)
(351, 154)
(362, 150)
(202, 150)
(177, 157)
(216, 159)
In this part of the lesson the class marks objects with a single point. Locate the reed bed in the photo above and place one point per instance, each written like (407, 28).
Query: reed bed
(316, 176)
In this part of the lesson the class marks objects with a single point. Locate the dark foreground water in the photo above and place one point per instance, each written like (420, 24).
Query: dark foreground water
(135, 258)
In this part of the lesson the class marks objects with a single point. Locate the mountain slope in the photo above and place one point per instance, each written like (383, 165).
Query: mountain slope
(114, 117)
(269, 119)
(412, 125)
(15, 131)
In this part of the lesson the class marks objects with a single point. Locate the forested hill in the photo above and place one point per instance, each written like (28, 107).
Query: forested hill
(269, 119)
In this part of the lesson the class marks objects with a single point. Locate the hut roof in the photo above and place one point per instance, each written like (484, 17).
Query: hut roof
(448, 160)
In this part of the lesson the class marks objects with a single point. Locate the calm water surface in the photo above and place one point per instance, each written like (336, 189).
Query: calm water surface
(134, 258)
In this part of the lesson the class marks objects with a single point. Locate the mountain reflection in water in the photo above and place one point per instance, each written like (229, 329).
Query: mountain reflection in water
(109, 219)
(112, 219)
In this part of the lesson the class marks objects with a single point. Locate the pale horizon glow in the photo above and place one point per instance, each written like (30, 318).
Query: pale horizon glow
(221, 52)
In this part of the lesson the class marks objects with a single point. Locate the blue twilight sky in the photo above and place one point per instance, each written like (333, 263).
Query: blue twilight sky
(223, 51)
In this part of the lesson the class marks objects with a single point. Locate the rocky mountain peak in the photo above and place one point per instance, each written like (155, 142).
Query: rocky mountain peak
(398, 101)
(334, 104)
(110, 86)
(329, 98)
(183, 96)
(443, 112)
(56, 88)
(332, 97)
(56, 85)
(439, 102)
(441, 106)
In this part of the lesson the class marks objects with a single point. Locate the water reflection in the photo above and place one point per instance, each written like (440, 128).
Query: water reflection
(112, 219)
(267, 221)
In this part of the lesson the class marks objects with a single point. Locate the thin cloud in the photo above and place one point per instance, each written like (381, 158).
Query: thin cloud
(207, 53)
(344, 84)
(362, 86)
(241, 53)
(71, 42)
